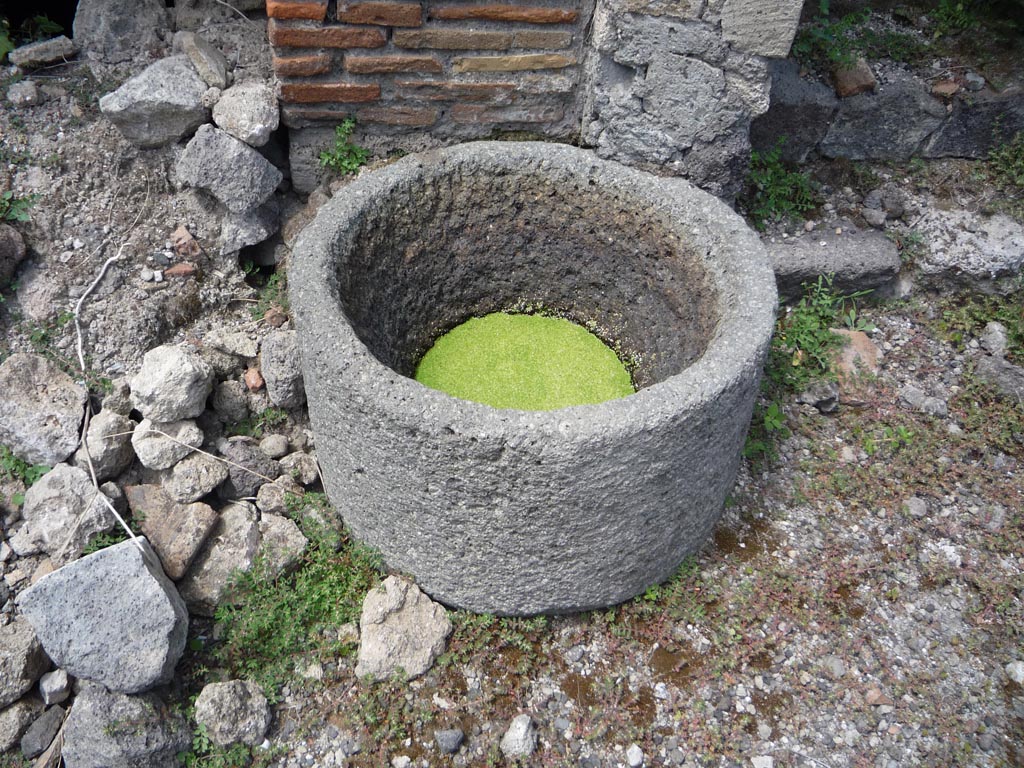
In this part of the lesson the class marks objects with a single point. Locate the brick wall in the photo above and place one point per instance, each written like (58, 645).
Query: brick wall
(451, 68)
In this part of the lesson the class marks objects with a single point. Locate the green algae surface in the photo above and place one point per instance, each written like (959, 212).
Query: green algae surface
(526, 362)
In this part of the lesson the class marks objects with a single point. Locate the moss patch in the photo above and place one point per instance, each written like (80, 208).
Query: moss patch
(526, 362)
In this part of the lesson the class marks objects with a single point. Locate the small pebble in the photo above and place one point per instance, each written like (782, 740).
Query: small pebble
(147, 275)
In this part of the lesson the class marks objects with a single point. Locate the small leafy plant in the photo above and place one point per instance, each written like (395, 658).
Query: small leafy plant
(14, 208)
(345, 157)
(954, 16)
(14, 468)
(833, 42)
(773, 192)
(1007, 162)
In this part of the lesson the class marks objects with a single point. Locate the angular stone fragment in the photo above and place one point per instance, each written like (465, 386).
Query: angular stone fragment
(42, 732)
(249, 468)
(22, 660)
(800, 113)
(195, 476)
(854, 79)
(15, 720)
(172, 384)
(281, 543)
(12, 252)
(62, 512)
(857, 260)
(302, 466)
(281, 366)
(248, 111)
(208, 61)
(235, 712)
(112, 617)
(250, 227)
(1006, 377)
(231, 547)
(110, 447)
(42, 52)
(41, 410)
(520, 740)
(160, 105)
(54, 687)
(176, 531)
(230, 170)
(111, 730)
(400, 629)
(272, 498)
(118, 30)
(162, 445)
(765, 29)
(230, 402)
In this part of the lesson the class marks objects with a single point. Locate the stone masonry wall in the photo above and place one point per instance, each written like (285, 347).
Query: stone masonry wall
(666, 85)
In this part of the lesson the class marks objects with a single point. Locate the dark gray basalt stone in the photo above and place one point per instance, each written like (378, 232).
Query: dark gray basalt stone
(517, 512)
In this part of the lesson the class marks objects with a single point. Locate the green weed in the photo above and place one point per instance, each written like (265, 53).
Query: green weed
(206, 754)
(1006, 162)
(954, 16)
(273, 295)
(832, 42)
(16, 469)
(258, 426)
(14, 208)
(774, 193)
(269, 621)
(104, 540)
(345, 157)
(962, 317)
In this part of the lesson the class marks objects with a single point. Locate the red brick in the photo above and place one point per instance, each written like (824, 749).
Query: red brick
(544, 40)
(440, 90)
(314, 10)
(452, 39)
(530, 15)
(182, 269)
(512, 63)
(297, 116)
(301, 66)
(312, 93)
(383, 14)
(419, 117)
(475, 113)
(369, 65)
(324, 37)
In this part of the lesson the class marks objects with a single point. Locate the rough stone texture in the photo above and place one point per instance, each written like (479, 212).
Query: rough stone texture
(1007, 378)
(235, 712)
(281, 542)
(801, 111)
(272, 498)
(275, 446)
(111, 730)
(207, 60)
(175, 531)
(250, 468)
(888, 125)
(158, 106)
(62, 512)
(302, 466)
(54, 687)
(24, 93)
(43, 52)
(117, 30)
(449, 740)
(765, 29)
(41, 411)
(853, 80)
(400, 628)
(520, 740)
(230, 401)
(162, 451)
(672, 96)
(112, 617)
(251, 227)
(232, 546)
(12, 253)
(110, 446)
(172, 384)
(921, 402)
(524, 512)
(977, 126)
(42, 732)
(857, 260)
(194, 477)
(248, 111)
(964, 245)
(16, 719)
(281, 367)
(230, 170)
(22, 660)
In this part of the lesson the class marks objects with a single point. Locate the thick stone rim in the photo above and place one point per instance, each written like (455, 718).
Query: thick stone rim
(742, 334)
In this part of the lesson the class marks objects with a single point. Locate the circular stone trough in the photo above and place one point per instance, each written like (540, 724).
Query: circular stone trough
(523, 512)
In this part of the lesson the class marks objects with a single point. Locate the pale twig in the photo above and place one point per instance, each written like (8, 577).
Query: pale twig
(173, 439)
(81, 364)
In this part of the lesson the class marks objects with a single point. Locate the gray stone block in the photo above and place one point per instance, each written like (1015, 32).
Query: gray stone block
(230, 170)
(801, 111)
(524, 512)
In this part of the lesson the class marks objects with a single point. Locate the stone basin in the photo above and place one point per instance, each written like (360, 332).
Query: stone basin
(525, 512)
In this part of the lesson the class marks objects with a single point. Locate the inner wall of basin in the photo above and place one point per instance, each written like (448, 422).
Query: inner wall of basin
(438, 251)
